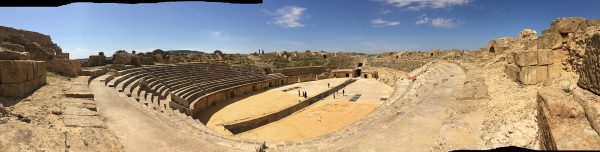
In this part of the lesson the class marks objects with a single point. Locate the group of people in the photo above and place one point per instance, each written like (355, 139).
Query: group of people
(305, 95)
(302, 94)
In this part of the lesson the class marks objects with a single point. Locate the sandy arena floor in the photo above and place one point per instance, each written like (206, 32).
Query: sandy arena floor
(262, 103)
(326, 115)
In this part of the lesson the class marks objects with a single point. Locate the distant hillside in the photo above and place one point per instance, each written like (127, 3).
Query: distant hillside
(185, 51)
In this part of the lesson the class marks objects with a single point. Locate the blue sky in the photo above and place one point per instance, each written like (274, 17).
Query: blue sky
(370, 26)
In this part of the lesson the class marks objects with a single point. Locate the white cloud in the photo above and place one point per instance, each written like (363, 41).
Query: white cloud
(438, 22)
(416, 5)
(387, 11)
(380, 22)
(289, 16)
(423, 19)
(445, 22)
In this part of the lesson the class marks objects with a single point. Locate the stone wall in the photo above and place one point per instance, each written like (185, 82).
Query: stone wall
(589, 73)
(97, 60)
(65, 67)
(146, 60)
(19, 78)
(309, 70)
(530, 66)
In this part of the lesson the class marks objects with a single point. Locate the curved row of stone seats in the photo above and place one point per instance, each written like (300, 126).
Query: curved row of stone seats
(153, 85)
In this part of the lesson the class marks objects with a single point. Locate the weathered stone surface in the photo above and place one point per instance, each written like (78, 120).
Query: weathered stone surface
(13, 55)
(14, 71)
(589, 73)
(549, 41)
(97, 60)
(474, 89)
(512, 71)
(146, 60)
(541, 74)
(65, 67)
(562, 123)
(544, 56)
(83, 121)
(510, 57)
(591, 105)
(566, 25)
(528, 75)
(79, 111)
(526, 58)
(21, 89)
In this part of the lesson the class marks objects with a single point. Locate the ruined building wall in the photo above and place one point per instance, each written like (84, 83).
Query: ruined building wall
(562, 46)
(21, 77)
(530, 66)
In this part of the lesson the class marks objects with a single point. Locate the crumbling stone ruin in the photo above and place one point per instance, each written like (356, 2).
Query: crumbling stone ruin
(536, 60)
(39, 47)
(571, 114)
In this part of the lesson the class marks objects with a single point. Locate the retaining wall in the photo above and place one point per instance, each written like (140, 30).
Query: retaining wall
(19, 78)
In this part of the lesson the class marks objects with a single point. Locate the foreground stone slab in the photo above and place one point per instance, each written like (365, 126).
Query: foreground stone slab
(79, 111)
(591, 105)
(562, 122)
(83, 121)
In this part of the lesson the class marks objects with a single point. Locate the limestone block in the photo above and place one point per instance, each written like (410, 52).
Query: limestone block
(559, 103)
(544, 57)
(561, 121)
(591, 105)
(589, 72)
(20, 89)
(65, 67)
(13, 71)
(13, 90)
(41, 69)
(528, 75)
(526, 58)
(541, 73)
(512, 71)
(29, 70)
(549, 40)
(554, 71)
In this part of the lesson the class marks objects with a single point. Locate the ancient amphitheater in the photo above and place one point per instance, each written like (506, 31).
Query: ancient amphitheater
(535, 91)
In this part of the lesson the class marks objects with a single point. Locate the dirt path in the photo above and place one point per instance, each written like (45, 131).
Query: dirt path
(138, 131)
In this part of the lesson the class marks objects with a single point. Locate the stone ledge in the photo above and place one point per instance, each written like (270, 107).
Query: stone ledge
(562, 123)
